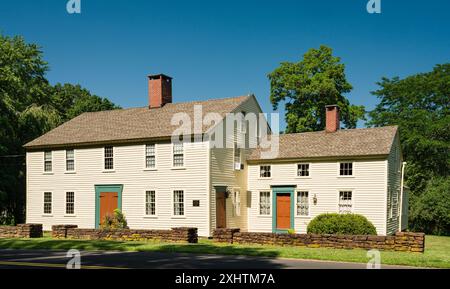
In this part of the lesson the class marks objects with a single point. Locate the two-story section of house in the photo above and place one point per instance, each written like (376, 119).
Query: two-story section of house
(86, 168)
(333, 171)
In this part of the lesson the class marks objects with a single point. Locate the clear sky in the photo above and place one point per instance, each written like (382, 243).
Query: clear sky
(217, 49)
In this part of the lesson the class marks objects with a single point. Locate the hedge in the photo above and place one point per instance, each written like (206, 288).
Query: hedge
(341, 224)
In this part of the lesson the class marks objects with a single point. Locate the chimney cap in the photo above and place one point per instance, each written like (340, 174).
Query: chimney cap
(157, 76)
(332, 106)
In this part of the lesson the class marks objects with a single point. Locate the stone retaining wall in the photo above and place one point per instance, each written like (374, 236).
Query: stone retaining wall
(185, 235)
(402, 241)
(21, 231)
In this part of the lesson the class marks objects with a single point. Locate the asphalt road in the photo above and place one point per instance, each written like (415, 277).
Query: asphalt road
(43, 259)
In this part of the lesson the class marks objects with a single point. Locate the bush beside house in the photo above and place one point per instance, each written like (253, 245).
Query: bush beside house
(341, 224)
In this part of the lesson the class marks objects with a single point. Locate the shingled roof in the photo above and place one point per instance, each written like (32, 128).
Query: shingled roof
(342, 143)
(125, 125)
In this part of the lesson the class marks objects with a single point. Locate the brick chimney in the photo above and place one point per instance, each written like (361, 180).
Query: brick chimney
(159, 90)
(332, 118)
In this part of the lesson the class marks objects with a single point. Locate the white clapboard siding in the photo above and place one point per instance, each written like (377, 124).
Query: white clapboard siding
(224, 174)
(394, 184)
(368, 186)
(129, 172)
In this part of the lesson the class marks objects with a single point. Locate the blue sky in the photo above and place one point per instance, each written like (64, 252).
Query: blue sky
(219, 49)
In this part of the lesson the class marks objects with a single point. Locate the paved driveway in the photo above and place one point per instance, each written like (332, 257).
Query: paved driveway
(161, 260)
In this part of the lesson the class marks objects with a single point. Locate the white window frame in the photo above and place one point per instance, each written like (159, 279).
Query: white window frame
(270, 171)
(339, 169)
(270, 203)
(183, 154)
(66, 202)
(154, 155)
(74, 163)
(45, 161)
(174, 216)
(155, 215)
(236, 202)
(104, 159)
(296, 203)
(309, 171)
(51, 204)
(339, 201)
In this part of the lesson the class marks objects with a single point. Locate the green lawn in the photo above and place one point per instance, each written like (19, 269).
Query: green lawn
(437, 251)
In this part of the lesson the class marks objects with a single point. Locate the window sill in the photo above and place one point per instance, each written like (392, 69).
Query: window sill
(150, 169)
(150, 217)
(264, 216)
(109, 171)
(303, 178)
(303, 217)
(47, 215)
(70, 172)
(69, 216)
(178, 168)
(265, 178)
(178, 217)
(48, 173)
(345, 177)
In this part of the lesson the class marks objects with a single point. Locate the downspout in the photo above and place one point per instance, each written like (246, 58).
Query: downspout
(401, 197)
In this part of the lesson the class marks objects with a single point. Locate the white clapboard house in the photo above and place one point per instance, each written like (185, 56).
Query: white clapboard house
(84, 169)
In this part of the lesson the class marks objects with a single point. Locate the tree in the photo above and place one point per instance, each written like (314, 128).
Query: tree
(431, 210)
(419, 104)
(30, 107)
(308, 86)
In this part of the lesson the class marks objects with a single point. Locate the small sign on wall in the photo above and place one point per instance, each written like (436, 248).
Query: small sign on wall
(196, 203)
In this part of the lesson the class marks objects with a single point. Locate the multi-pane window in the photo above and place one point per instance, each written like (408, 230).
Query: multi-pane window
(178, 203)
(264, 203)
(345, 202)
(237, 203)
(150, 203)
(150, 157)
(47, 161)
(264, 171)
(47, 203)
(302, 204)
(70, 160)
(346, 169)
(237, 155)
(303, 170)
(178, 155)
(109, 158)
(70, 203)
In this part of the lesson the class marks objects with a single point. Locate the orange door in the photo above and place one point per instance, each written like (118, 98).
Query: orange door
(283, 211)
(108, 203)
(221, 212)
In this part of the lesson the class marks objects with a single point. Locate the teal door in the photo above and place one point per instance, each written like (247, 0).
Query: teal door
(283, 209)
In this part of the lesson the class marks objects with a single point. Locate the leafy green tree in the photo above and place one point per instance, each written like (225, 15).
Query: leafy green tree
(29, 107)
(431, 210)
(308, 86)
(419, 104)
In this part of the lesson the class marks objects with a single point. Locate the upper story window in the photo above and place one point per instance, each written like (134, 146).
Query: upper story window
(264, 203)
(70, 160)
(48, 161)
(302, 204)
(178, 203)
(345, 202)
(265, 172)
(150, 156)
(70, 203)
(346, 169)
(47, 203)
(150, 203)
(178, 155)
(109, 158)
(303, 170)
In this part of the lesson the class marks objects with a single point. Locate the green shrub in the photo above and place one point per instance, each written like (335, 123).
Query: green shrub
(115, 222)
(341, 224)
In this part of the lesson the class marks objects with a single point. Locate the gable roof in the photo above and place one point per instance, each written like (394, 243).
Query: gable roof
(343, 143)
(125, 125)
